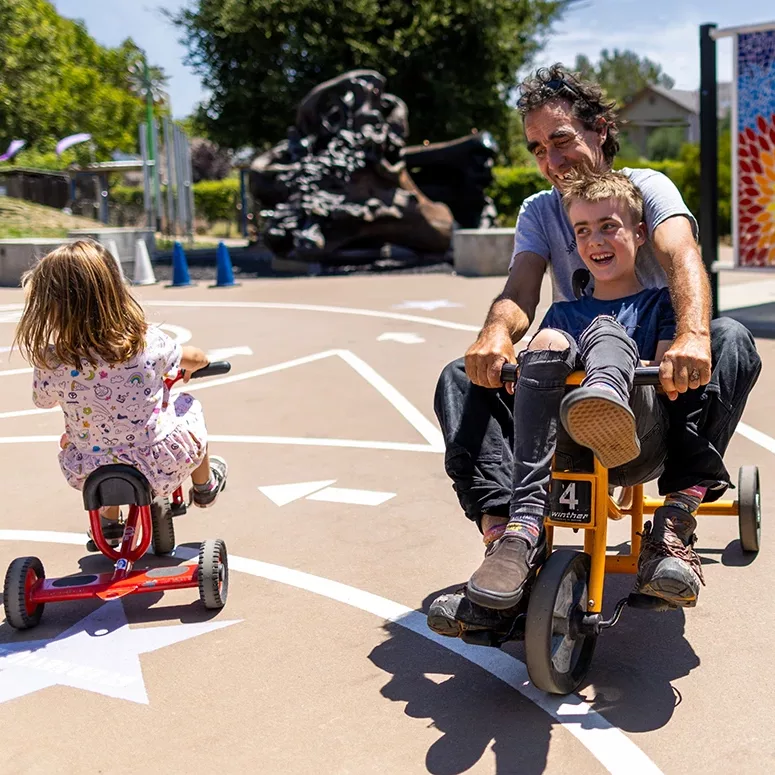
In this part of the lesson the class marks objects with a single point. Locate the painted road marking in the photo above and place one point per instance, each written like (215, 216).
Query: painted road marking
(413, 415)
(353, 497)
(608, 744)
(224, 353)
(369, 313)
(99, 654)
(397, 336)
(282, 494)
(429, 305)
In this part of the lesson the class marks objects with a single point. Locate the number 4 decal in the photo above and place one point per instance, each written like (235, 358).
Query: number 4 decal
(568, 497)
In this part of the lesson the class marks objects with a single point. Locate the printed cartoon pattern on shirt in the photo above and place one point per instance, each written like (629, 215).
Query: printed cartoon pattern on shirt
(122, 413)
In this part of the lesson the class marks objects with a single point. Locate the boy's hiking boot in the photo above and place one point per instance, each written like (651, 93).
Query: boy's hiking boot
(668, 566)
(509, 564)
(203, 496)
(454, 615)
(600, 420)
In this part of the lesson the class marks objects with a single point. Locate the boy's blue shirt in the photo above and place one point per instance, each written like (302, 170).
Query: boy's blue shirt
(647, 316)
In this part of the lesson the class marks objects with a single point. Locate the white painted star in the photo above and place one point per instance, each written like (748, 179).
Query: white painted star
(98, 654)
(429, 305)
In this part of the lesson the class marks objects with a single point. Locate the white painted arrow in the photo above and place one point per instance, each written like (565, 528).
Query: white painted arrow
(223, 353)
(354, 497)
(281, 494)
(397, 336)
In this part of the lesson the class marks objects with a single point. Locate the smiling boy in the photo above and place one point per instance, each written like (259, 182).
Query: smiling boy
(607, 333)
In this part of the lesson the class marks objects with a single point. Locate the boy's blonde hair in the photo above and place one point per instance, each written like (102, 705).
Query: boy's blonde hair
(78, 309)
(588, 186)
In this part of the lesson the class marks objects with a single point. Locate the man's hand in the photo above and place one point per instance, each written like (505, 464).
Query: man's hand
(686, 365)
(486, 356)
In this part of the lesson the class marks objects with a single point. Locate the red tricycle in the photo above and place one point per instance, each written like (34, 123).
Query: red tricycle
(149, 520)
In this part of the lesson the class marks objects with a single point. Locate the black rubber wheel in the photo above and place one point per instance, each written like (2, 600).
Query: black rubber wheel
(749, 512)
(163, 528)
(213, 573)
(558, 656)
(20, 576)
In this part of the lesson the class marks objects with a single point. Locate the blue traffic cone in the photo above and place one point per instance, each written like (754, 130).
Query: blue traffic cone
(180, 275)
(224, 275)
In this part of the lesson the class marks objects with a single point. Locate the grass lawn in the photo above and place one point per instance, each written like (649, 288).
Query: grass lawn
(24, 219)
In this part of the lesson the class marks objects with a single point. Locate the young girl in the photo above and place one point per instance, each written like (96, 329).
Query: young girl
(96, 356)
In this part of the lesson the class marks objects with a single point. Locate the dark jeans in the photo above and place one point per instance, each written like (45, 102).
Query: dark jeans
(478, 428)
(607, 354)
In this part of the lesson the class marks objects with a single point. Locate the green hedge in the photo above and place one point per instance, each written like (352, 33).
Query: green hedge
(512, 185)
(214, 200)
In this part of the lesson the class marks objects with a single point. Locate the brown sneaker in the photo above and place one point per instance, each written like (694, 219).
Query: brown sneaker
(509, 563)
(599, 419)
(668, 566)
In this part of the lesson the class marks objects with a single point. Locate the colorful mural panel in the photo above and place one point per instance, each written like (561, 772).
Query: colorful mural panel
(756, 149)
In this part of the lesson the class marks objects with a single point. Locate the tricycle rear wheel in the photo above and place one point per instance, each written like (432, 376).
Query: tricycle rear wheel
(213, 573)
(749, 512)
(22, 573)
(558, 653)
(162, 525)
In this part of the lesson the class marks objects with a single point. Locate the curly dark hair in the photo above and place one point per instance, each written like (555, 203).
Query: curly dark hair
(587, 99)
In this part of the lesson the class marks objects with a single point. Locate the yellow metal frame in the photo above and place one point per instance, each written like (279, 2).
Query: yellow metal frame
(605, 507)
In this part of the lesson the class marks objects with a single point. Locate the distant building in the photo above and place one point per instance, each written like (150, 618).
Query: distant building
(654, 107)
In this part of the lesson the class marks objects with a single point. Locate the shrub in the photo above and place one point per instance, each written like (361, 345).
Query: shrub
(214, 200)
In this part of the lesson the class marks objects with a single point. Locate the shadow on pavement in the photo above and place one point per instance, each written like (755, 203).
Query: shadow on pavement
(629, 683)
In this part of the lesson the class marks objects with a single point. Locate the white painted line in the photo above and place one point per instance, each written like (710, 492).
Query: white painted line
(282, 494)
(428, 430)
(398, 336)
(306, 441)
(353, 497)
(424, 426)
(369, 313)
(293, 441)
(429, 305)
(757, 437)
(179, 334)
(224, 353)
(608, 744)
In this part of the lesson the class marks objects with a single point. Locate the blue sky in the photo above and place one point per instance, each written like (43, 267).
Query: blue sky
(666, 31)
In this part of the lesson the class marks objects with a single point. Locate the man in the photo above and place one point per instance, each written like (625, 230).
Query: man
(707, 373)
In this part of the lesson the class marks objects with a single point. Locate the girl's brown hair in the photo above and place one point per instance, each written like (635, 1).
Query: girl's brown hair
(78, 309)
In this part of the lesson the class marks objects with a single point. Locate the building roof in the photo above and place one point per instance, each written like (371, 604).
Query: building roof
(686, 99)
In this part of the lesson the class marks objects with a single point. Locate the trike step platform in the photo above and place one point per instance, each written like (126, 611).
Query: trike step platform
(102, 585)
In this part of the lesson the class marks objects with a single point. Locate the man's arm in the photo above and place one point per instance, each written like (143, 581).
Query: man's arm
(677, 252)
(509, 318)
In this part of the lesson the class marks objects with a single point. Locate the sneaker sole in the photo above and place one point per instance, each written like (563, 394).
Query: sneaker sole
(606, 427)
(441, 625)
(489, 600)
(670, 591)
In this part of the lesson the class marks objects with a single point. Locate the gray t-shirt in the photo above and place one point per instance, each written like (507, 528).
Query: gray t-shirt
(544, 228)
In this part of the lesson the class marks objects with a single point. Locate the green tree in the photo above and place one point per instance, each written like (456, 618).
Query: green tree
(665, 142)
(623, 73)
(56, 80)
(454, 62)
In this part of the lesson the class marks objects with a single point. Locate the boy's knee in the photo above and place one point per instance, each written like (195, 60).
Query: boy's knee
(549, 339)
